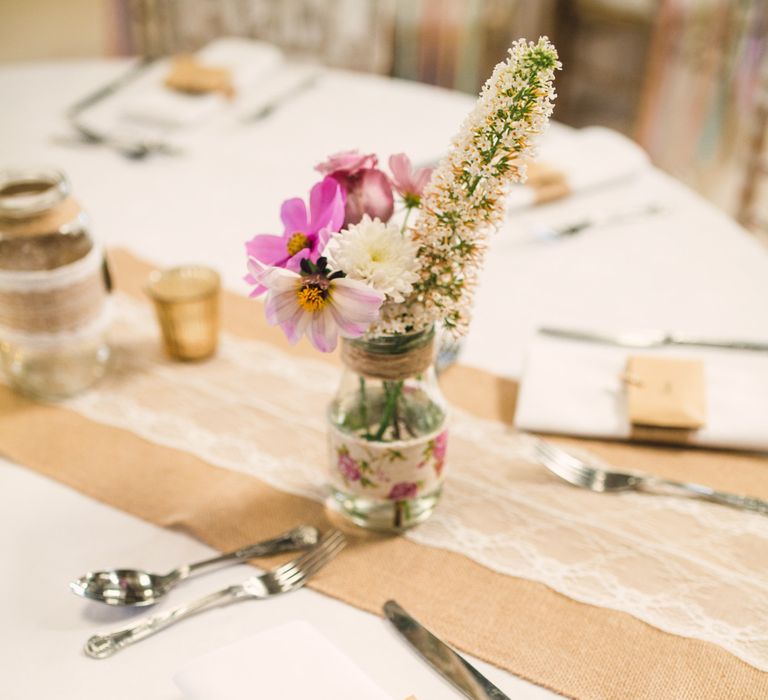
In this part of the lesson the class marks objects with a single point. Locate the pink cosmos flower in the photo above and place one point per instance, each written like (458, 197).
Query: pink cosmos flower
(305, 234)
(321, 305)
(348, 467)
(408, 182)
(367, 188)
(403, 490)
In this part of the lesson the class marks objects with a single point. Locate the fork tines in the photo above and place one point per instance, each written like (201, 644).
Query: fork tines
(564, 464)
(546, 449)
(309, 563)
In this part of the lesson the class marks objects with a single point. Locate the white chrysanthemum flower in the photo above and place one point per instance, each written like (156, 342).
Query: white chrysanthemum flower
(377, 254)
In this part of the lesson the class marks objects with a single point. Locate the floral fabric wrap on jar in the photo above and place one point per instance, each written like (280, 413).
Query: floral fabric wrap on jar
(387, 434)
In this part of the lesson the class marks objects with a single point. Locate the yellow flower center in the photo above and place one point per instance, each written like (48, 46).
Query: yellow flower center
(312, 297)
(298, 241)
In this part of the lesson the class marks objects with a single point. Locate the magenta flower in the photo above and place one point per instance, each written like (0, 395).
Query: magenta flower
(368, 189)
(408, 182)
(305, 234)
(348, 467)
(403, 490)
(317, 303)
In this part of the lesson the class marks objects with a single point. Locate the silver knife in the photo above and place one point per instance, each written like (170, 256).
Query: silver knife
(441, 657)
(652, 339)
(277, 101)
(543, 231)
(87, 135)
(115, 85)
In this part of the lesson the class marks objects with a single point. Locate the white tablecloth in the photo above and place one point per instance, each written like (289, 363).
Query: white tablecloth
(689, 268)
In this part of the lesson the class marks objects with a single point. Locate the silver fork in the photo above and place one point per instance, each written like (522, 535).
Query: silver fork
(579, 473)
(283, 579)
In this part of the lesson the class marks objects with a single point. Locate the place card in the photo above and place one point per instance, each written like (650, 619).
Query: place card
(666, 392)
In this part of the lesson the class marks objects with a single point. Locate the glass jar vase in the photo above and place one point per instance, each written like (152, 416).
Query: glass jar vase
(387, 432)
(53, 288)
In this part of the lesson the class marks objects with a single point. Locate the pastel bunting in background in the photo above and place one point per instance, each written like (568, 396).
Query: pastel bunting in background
(368, 189)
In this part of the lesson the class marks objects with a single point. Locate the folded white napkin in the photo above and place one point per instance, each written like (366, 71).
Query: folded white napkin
(588, 158)
(146, 108)
(576, 388)
(290, 662)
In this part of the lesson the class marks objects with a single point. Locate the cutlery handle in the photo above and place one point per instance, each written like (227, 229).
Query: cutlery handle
(681, 339)
(708, 494)
(100, 646)
(300, 537)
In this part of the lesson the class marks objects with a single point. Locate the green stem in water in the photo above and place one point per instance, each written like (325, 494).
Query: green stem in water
(399, 514)
(364, 408)
(402, 514)
(396, 417)
(392, 391)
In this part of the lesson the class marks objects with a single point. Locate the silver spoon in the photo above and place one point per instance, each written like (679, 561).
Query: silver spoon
(136, 588)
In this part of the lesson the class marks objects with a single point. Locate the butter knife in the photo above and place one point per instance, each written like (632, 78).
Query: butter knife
(652, 339)
(455, 669)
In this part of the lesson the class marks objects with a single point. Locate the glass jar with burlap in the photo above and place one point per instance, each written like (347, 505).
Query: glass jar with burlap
(387, 432)
(54, 285)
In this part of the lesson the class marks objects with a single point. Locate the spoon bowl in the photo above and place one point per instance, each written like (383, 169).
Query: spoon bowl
(122, 587)
(137, 588)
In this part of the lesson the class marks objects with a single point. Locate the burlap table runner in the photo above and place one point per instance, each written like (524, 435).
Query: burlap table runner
(575, 649)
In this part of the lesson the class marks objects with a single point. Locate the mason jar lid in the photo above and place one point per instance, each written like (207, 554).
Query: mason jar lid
(42, 227)
(30, 192)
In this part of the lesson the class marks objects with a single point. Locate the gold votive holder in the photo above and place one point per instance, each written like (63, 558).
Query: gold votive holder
(187, 305)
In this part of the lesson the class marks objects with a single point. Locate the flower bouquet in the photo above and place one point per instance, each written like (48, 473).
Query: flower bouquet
(381, 277)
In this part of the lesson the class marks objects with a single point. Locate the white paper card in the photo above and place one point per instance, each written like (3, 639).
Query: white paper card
(291, 662)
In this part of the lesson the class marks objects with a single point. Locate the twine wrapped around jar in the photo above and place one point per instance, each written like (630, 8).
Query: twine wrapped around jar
(66, 299)
(390, 358)
(53, 277)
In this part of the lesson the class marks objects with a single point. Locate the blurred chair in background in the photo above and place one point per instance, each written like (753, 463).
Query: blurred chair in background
(342, 33)
(753, 207)
(604, 44)
(703, 114)
(452, 43)
(456, 43)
